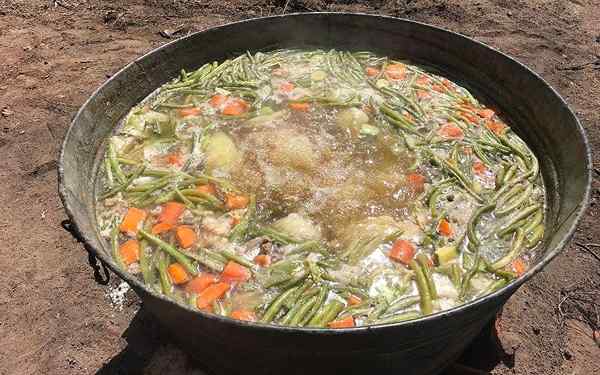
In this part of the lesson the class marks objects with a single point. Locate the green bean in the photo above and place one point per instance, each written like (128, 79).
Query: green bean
(466, 281)
(321, 298)
(124, 185)
(516, 246)
(402, 304)
(109, 174)
(240, 231)
(183, 198)
(294, 280)
(165, 280)
(276, 305)
(114, 163)
(408, 315)
(423, 287)
(146, 262)
(425, 268)
(510, 173)
(326, 314)
(275, 236)
(474, 220)
(516, 202)
(537, 219)
(237, 258)
(511, 226)
(495, 285)
(171, 250)
(207, 260)
(302, 311)
(293, 311)
(460, 177)
(536, 236)
(435, 192)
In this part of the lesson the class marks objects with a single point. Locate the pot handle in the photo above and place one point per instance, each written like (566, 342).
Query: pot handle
(92, 259)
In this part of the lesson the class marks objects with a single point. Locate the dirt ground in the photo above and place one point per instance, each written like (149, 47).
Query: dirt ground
(56, 317)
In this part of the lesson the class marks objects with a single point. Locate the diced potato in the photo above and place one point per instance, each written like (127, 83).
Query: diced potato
(446, 254)
(221, 152)
(318, 75)
(299, 227)
(296, 151)
(351, 118)
(369, 228)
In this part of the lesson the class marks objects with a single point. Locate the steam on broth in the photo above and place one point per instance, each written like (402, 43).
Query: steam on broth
(319, 189)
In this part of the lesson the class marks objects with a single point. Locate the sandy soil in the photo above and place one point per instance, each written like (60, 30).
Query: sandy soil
(56, 316)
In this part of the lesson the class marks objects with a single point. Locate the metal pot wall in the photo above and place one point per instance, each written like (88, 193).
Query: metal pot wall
(423, 346)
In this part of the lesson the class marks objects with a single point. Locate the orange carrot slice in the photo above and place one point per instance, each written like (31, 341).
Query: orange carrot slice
(479, 168)
(372, 72)
(174, 159)
(519, 266)
(246, 315)
(395, 72)
(451, 131)
(299, 107)
(262, 260)
(178, 274)
(444, 228)
(207, 189)
(402, 251)
(486, 113)
(353, 300)
(132, 220)
(130, 251)
(346, 322)
(235, 107)
(170, 212)
(235, 272)
(192, 111)
(211, 294)
(201, 282)
(186, 236)
(423, 80)
(161, 228)
(217, 100)
(236, 201)
(496, 127)
(286, 87)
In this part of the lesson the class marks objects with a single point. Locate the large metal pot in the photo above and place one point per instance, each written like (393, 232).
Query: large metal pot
(422, 346)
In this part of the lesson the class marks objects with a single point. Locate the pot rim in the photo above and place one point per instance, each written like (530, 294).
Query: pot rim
(510, 288)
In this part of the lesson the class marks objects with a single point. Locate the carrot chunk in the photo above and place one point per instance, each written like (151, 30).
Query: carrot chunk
(161, 228)
(422, 94)
(402, 251)
(486, 113)
(132, 220)
(246, 315)
(444, 228)
(496, 127)
(201, 282)
(423, 80)
(178, 274)
(186, 236)
(479, 168)
(286, 87)
(174, 159)
(236, 201)
(170, 212)
(346, 322)
(451, 131)
(192, 111)
(299, 107)
(235, 107)
(262, 260)
(416, 181)
(519, 266)
(207, 189)
(130, 251)
(217, 100)
(371, 71)
(395, 72)
(353, 300)
(235, 272)
(211, 294)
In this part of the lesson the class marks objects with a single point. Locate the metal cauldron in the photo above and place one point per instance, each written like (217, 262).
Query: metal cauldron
(424, 346)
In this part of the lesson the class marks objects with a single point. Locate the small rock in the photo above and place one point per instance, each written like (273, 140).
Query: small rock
(6, 112)
(536, 330)
(568, 356)
(27, 48)
(509, 13)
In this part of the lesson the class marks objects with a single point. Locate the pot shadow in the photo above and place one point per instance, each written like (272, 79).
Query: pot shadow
(150, 351)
